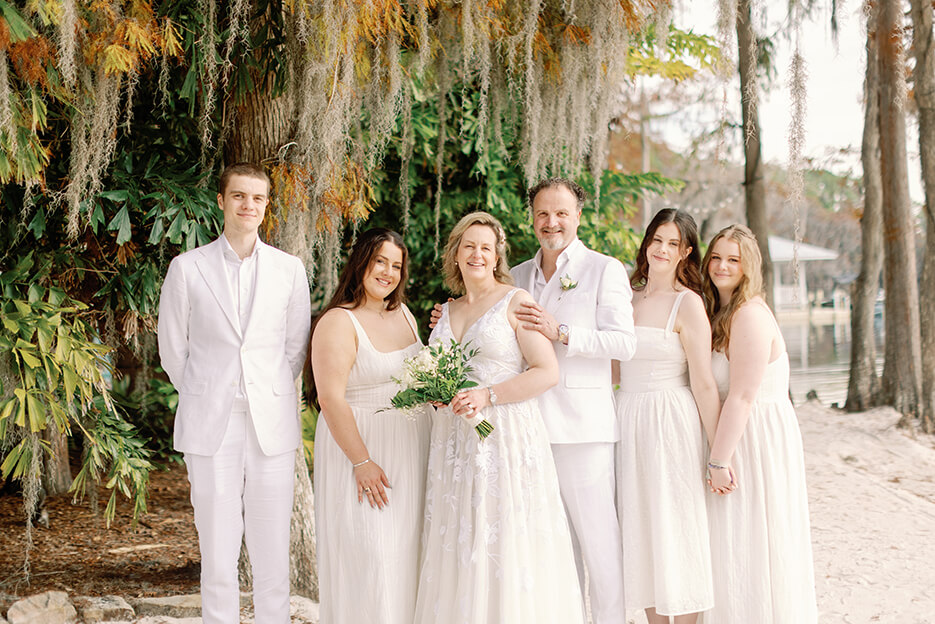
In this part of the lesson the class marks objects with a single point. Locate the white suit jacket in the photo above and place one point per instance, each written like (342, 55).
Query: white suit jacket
(599, 314)
(205, 352)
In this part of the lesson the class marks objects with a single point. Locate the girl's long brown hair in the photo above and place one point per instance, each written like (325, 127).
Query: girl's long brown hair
(687, 273)
(751, 284)
(350, 292)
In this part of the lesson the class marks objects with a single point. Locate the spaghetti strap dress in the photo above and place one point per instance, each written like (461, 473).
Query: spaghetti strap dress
(660, 478)
(368, 558)
(761, 544)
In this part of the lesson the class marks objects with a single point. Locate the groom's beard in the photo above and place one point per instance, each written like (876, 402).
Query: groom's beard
(554, 242)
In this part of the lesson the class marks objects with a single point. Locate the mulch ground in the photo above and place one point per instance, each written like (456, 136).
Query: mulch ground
(78, 554)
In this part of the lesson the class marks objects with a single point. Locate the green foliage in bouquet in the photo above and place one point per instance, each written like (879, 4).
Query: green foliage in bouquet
(435, 375)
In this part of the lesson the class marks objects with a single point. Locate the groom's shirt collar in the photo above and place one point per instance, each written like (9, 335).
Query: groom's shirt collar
(564, 258)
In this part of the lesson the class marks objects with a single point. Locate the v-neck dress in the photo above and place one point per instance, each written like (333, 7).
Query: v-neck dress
(368, 558)
(496, 545)
(660, 478)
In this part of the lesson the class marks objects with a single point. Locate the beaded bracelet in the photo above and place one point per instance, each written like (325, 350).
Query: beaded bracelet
(359, 464)
(715, 466)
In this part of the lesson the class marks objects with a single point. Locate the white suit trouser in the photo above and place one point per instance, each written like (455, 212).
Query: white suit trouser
(587, 483)
(240, 493)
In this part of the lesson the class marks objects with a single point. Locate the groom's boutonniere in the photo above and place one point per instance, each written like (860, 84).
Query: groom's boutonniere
(567, 283)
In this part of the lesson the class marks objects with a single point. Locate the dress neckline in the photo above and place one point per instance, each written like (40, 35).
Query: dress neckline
(363, 332)
(479, 318)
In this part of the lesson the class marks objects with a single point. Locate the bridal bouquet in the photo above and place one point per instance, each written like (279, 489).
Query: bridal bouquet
(436, 374)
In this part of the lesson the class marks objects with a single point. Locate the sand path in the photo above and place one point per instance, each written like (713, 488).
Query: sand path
(872, 505)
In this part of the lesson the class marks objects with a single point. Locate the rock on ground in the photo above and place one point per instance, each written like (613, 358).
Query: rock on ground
(94, 609)
(51, 607)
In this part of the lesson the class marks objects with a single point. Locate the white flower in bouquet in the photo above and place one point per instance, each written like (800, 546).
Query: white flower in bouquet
(436, 374)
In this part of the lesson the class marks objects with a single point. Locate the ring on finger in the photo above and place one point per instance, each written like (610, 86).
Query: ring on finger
(367, 490)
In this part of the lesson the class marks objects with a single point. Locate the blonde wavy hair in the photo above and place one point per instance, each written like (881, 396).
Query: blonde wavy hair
(751, 284)
(452, 274)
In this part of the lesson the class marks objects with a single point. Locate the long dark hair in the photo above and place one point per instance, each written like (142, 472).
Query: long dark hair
(688, 271)
(350, 292)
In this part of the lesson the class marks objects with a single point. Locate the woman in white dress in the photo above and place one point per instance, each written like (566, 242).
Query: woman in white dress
(758, 509)
(369, 461)
(496, 545)
(666, 404)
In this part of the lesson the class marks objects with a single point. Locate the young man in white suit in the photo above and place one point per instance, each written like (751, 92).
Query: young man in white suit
(583, 304)
(234, 321)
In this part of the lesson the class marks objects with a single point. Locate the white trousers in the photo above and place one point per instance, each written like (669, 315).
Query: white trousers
(587, 483)
(239, 493)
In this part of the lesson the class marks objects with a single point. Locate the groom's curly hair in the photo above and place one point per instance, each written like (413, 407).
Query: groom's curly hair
(571, 186)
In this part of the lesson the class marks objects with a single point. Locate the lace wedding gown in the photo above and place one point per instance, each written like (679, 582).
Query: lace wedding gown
(660, 478)
(761, 547)
(368, 558)
(496, 545)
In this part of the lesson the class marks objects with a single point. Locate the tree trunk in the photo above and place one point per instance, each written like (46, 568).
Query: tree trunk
(303, 567)
(57, 478)
(754, 188)
(260, 126)
(864, 384)
(902, 378)
(924, 77)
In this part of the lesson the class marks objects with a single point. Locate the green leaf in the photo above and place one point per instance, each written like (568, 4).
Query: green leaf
(19, 28)
(155, 235)
(17, 461)
(71, 382)
(37, 225)
(21, 412)
(37, 420)
(117, 196)
(7, 408)
(121, 223)
(31, 360)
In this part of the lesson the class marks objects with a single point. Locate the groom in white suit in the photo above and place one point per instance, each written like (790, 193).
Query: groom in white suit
(583, 305)
(234, 321)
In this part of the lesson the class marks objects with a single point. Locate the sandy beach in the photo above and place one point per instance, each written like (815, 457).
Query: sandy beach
(872, 507)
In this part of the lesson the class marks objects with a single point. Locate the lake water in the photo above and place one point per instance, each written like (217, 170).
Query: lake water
(820, 359)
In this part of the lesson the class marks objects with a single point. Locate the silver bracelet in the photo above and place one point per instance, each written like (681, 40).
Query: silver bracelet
(715, 466)
(359, 464)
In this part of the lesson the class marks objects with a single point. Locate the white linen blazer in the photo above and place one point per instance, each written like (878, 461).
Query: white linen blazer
(599, 315)
(204, 351)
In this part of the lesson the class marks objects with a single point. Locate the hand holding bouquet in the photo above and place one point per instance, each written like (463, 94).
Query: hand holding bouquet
(435, 375)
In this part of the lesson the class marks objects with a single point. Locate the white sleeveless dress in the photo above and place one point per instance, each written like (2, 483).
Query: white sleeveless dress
(367, 557)
(660, 478)
(761, 545)
(496, 545)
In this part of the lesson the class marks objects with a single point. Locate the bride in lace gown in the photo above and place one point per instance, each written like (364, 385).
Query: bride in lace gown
(496, 545)
(761, 550)
(369, 461)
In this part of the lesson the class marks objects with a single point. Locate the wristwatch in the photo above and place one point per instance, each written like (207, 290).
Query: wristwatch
(563, 334)
(492, 395)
